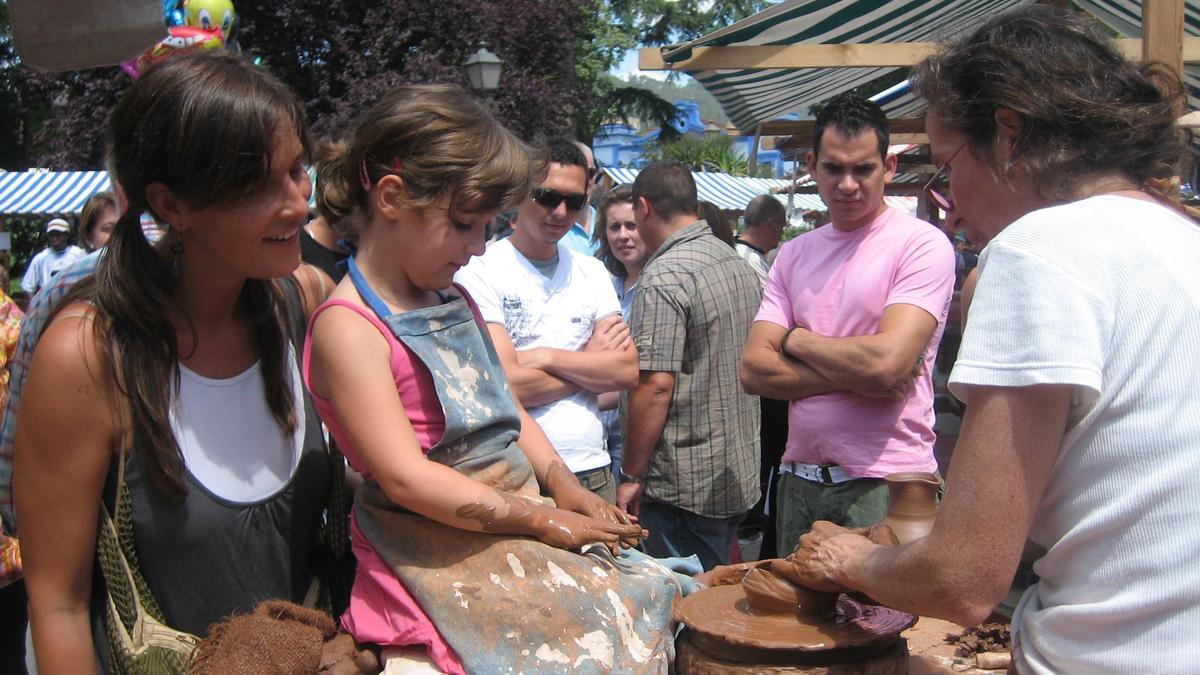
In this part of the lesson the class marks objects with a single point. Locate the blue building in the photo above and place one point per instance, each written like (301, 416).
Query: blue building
(622, 145)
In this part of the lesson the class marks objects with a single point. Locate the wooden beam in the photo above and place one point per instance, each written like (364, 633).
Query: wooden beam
(1162, 32)
(864, 55)
(855, 55)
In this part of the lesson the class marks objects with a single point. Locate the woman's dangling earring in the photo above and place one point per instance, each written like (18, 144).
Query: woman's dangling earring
(176, 252)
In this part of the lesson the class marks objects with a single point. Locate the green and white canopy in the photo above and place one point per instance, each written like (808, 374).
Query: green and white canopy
(753, 96)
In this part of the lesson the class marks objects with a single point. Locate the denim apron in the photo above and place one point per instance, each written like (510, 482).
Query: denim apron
(506, 603)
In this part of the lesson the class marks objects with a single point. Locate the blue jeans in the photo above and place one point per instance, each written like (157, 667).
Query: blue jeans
(675, 533)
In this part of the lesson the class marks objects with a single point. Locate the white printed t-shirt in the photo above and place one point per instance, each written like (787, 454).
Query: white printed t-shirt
(1103, 294)
(559, 313)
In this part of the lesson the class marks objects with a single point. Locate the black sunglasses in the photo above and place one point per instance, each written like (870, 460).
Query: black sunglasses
(552, 198)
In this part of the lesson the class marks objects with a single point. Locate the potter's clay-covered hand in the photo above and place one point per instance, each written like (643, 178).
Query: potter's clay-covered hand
(770, 593)
(553, 526)
(815, 562)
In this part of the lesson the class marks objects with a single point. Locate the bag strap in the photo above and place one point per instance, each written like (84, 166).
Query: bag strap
(335, 529)
(118, 559)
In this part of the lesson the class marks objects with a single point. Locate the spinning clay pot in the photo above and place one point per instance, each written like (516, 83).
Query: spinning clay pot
(912, 504)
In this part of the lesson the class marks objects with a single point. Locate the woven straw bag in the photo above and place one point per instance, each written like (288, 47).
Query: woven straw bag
(139, 642)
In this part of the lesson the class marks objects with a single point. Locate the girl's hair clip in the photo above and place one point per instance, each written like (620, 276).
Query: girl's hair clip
(364, 176)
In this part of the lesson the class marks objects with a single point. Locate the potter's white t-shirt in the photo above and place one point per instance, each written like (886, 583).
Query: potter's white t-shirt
(559, 312)
(1103, 294)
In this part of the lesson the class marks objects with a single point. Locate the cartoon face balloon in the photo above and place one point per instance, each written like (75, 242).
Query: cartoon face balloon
(210, 14)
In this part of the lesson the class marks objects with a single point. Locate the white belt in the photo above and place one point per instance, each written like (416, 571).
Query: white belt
(826, 474)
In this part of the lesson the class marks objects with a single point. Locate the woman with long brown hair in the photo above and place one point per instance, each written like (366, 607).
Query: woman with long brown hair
(166, 388)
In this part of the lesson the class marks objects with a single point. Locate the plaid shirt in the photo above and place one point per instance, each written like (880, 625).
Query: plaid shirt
(691, 314)
(31, 329)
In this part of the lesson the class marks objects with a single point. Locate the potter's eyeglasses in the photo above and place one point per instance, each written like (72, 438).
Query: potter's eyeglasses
(944, 203)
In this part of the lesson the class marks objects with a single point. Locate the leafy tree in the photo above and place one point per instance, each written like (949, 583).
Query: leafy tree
(711, 152)
(618, 25)
(662, 22)
(339, 55)
(680, 89)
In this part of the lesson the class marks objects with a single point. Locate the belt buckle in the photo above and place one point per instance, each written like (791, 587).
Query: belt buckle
(825, 475)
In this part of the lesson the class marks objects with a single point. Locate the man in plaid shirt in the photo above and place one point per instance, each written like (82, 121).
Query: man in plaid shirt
(690, 470)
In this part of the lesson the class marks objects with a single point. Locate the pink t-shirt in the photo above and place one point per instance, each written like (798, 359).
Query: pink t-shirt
(381, 610)
(837, 284)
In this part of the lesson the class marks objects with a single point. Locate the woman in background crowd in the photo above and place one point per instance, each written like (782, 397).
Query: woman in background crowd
(624, 254)
(97, 220)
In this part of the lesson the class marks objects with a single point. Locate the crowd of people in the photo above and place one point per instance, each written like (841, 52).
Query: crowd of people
(485, 448)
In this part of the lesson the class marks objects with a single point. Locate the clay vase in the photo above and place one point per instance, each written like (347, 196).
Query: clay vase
(912, 504)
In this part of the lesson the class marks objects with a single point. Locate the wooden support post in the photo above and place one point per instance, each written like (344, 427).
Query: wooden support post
(752, 156)
(1162, 32)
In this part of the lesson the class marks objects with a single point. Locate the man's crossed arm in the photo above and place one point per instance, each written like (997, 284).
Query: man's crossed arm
(880, 365)
(608, 362)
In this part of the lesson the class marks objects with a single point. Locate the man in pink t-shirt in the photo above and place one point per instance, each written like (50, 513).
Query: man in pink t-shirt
(848, 331)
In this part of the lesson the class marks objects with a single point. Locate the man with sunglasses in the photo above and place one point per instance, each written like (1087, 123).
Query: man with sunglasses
(555, 319)
(848, 331)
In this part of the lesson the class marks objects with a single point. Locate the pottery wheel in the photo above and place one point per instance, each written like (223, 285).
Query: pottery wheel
(722, 614)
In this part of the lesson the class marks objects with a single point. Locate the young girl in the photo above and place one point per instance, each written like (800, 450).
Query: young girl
(179, 357)
(405, 376)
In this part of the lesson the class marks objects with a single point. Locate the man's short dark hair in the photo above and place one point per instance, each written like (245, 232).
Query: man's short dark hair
(562, 150)
(851, 114)
(669, 188)
(763, 208)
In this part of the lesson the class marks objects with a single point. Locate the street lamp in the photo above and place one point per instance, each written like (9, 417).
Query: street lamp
(483, 69)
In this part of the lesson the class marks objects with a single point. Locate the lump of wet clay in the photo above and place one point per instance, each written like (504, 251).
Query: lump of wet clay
(726, 575)
(769, 593)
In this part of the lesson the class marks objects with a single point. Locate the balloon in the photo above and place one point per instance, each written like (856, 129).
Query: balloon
(172, 13)
(209, 14)
(181, 40)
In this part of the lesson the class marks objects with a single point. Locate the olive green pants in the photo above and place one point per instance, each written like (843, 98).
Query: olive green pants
(856, 503)
(601, 482)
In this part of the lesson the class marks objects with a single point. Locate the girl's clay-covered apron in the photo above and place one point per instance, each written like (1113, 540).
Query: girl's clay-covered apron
(506, 603)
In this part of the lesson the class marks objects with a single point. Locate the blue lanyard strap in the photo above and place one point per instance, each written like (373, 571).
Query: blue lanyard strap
(364, 289)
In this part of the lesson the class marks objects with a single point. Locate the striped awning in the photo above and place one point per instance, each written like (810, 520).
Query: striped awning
(62, 193)
(59, 193)
(752, 96)
(731, 193)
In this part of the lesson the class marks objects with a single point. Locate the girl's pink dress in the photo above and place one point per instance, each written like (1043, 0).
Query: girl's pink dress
(381, 609)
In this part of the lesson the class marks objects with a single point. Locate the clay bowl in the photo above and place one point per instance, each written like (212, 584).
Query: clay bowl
(769, 593)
